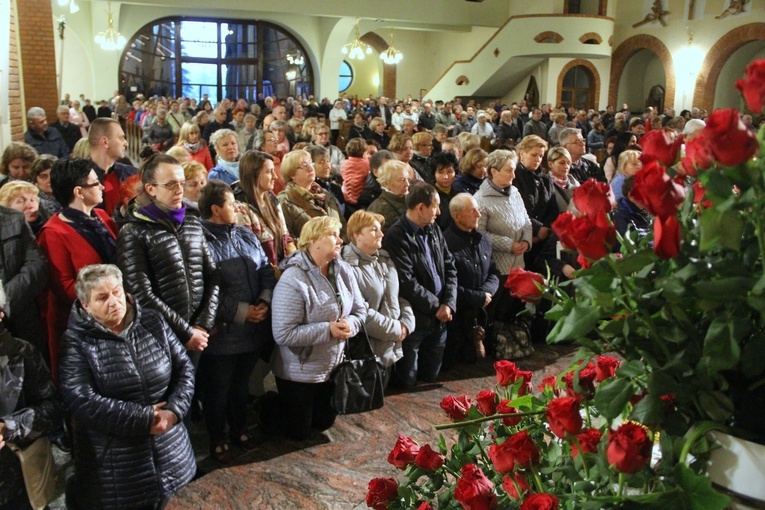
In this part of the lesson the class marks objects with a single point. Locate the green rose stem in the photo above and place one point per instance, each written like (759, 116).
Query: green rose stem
(443, 426)
(538, 481)
(483, 453)
(621, 484)
(575, 440)
(587, 414)
(700, 430)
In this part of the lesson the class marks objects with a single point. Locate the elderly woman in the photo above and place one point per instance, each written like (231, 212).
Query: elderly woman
(16, 162)
(190, 138)
(537, 189)
(23, 197)
(196, 178)
(160, 133)
(255, 188)
(78, 118)
(227, 148)
(248, 131)
(127, 383)
(161, 246)
(559, 162)
(422, 145)
(303, 198)
(321, 138)
(239, 339)
(354, 170)
(378, 134)
(629, 165)
(30, 409)
(507, 132)
(337, 116)
(558, 125)
(324, 177)
(279, 129)
(317, 307)
(389, 316)
(40, 177)
(472, 172)
(393, 177)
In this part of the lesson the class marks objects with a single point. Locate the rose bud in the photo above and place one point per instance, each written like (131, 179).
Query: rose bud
(588, 440)
(382, 491)
(456, 407)
(486, 402)
(403, 452)
(605, 367)
(507, 372)
(629, 448)
(525, 285)
(509, 486)
(428, 459)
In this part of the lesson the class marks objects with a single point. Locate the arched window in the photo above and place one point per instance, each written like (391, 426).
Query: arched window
(578, 88)
(346, 76)
(221, 58)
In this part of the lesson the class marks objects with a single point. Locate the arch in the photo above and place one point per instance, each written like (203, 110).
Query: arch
(462, 80)
(595, 79)
(389, 70)
(591, 38)
(548, 37)
(721, 51)
(626, 50)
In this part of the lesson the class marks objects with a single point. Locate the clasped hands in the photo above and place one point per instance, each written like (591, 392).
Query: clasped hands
(163, 419)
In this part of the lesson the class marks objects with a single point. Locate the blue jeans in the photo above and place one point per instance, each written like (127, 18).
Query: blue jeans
(423, 354)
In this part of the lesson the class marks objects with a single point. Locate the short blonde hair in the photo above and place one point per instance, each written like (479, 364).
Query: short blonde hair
(385, 172)
(179, 152)
(291, 163)
(81, 149)
(360, 220)
(419, 139)
(398, 141)
(375, 122)
(308, 125)
(193, 169)
(12, 190)
(625, 158)
(556, 153)
(220, 135)
(530, 142)
(468, 141)
(316, 228)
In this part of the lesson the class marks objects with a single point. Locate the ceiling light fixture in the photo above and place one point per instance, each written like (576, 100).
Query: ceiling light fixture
(391, 55)
(357, 49)
(110, 39)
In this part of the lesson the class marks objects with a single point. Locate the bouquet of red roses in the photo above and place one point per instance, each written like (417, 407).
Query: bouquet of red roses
(553, 449)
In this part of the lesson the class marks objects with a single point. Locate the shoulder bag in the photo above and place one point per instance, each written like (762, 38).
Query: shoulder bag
(358, 379)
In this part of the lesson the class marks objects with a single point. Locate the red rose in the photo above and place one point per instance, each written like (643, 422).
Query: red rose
(637, 397)
(605, 367)
(425, 506)
(510, 487)
(586, 381)
(563, 416)
(658, 146)
(698, 196)
(507, 372)
(656, 192)
(505, 408)
(592, 198)
(666, 237)
(592, 236)
(697, 155)
(753, 86)
(629, 448)
(588, 440)
(474, 491)
(540, 501)
(526, 387)
(403, 452)
(525, 285)
(382, 491)
(502, 457)
(456, 407)
(549, 382)
(525, 453)
(486, 402)
(428, 459)
(729, 141)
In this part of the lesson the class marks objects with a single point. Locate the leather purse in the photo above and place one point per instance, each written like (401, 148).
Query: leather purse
(358, 379)
(39, 471)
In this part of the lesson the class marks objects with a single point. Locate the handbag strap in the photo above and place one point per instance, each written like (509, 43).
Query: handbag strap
(365, 344)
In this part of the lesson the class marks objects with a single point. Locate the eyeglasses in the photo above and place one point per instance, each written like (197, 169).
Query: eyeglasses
(305, 166)
(272, 140)
(90, 184)
(170, 186)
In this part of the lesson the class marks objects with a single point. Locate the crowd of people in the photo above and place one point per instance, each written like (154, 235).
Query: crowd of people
(248, 241)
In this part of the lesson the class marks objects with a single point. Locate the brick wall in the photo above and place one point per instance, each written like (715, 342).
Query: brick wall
(14, 81)
(38, 56)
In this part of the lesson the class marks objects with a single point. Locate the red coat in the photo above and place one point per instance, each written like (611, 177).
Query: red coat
(67, 252)
(203, 156)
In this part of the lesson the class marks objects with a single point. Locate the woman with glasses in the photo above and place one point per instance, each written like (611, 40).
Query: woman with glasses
(78, 236)
(321, 138)
(226, 147)
(303, 198)
(164, 257)
(422, 145)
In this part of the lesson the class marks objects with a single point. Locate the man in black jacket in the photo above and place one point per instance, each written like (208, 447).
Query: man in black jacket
(69, 132)
(477, 277)
(582, 169)
(428, 279)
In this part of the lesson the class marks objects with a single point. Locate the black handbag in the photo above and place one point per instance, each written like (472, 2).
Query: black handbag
(358, 379)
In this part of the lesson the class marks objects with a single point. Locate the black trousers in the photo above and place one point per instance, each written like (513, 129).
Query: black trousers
(299, 408)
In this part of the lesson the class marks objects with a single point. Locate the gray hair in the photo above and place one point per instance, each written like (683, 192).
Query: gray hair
(258, 139)
(35, 111)
(62, 108)
(90, 276)
(565, 133)
(498, 159)
(221, 133)
(458, 201)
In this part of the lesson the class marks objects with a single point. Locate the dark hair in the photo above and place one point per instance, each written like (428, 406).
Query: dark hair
(316, 151)
(356, 147)
(66, 175)
(148, 169)
(621, 144)
(250, 166)
(212, 194)
(420, 193)
(445, 159)
(627, 186)
(41, 164)
(380, 157)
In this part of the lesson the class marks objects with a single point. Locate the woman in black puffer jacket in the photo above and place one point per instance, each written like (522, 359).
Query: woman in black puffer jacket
(127, 382)
(163, 254)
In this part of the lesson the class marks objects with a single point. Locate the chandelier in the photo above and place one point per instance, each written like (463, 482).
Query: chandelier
(110, 39)
(391, 55)
(356, 49)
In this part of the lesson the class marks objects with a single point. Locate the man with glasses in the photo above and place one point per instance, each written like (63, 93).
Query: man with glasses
(44, 139)
(582, 169)
(107, 146)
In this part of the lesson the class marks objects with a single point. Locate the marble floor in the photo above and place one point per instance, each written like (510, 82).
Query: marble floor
(332, 469)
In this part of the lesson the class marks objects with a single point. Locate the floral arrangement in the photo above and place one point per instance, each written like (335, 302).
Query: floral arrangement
(683, 307)
(553, 450)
